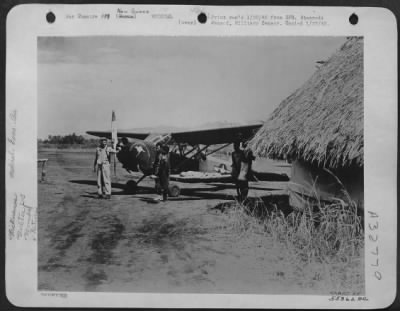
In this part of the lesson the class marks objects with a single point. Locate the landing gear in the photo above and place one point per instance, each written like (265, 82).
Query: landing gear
(130, 187)
(174, 191)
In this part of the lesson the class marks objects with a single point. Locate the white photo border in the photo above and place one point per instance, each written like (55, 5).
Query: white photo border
(25, 23)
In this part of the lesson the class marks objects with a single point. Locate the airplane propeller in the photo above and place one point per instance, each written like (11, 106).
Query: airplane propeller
(114, 138)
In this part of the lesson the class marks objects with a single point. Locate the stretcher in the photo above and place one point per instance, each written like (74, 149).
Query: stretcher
(194, 177)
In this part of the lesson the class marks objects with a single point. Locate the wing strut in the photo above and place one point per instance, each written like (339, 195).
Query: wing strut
(187, 159)
(185, 154)
(215, 150)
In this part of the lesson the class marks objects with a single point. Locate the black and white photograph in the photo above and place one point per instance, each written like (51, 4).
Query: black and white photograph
(207, 165)
(201, 157)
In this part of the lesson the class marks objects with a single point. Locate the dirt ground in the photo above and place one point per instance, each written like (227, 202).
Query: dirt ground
(132, 244)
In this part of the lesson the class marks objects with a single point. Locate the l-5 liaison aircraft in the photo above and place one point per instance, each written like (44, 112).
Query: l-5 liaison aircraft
(189, 153)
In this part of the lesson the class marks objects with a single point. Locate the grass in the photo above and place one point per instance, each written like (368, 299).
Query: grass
(321, 247)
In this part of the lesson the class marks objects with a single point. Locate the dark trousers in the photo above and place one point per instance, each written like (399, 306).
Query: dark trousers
(242, 189)
(162, 185)
(164, 194)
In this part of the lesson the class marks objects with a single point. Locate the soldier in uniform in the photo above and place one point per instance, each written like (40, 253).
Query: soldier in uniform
(155, 167)
(102, 168)
(162, 171)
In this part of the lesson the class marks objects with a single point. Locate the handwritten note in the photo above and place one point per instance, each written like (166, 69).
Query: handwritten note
(11, 141)
(57, 295)
(22, 224)
(347, 298)
(373, 237)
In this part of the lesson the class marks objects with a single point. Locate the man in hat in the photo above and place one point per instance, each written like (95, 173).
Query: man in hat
(102, 168)
(162, 171)
(155, 166)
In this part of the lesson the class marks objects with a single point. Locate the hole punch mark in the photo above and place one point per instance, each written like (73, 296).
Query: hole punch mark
(353, 19)
(202, 18)
(50, 17)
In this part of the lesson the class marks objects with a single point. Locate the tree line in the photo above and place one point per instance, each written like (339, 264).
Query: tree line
(68, 140)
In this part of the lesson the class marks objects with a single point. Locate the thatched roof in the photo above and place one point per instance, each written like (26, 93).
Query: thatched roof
(321, 122)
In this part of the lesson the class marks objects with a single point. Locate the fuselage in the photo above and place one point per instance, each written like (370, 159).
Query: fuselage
(136, 155)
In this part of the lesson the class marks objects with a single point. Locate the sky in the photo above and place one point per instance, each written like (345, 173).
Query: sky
(182, 82)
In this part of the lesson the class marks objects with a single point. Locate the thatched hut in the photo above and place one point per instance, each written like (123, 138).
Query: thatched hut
(320, 127)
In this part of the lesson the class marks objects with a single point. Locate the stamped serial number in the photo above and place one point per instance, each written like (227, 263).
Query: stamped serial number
(347, 298)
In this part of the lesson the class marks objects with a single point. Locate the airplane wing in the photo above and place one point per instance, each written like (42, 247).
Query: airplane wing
(215, 136)
(107, 134)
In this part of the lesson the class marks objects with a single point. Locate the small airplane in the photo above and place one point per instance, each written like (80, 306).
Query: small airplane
(189, 150)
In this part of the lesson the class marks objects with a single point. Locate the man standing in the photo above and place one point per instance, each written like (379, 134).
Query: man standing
(158, 155)
(162, 171)
(155, 167)
(102, 168)
(246, 172)
(237, 156)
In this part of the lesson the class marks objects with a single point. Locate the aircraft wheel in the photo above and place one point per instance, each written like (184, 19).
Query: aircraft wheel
(174, 191)
(130, 187)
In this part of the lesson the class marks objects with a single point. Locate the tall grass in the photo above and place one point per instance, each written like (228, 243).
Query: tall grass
(333, 230)
(322, 245)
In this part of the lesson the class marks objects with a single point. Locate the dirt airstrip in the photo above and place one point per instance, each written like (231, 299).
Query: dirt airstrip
(132, 244)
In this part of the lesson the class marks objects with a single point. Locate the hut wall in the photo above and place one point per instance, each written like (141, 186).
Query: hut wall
(310, 181)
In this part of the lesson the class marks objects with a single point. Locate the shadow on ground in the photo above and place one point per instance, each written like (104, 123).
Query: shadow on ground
(187, 194)
(260, 206)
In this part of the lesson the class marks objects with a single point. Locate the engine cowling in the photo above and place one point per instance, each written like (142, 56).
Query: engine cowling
(137, 155)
